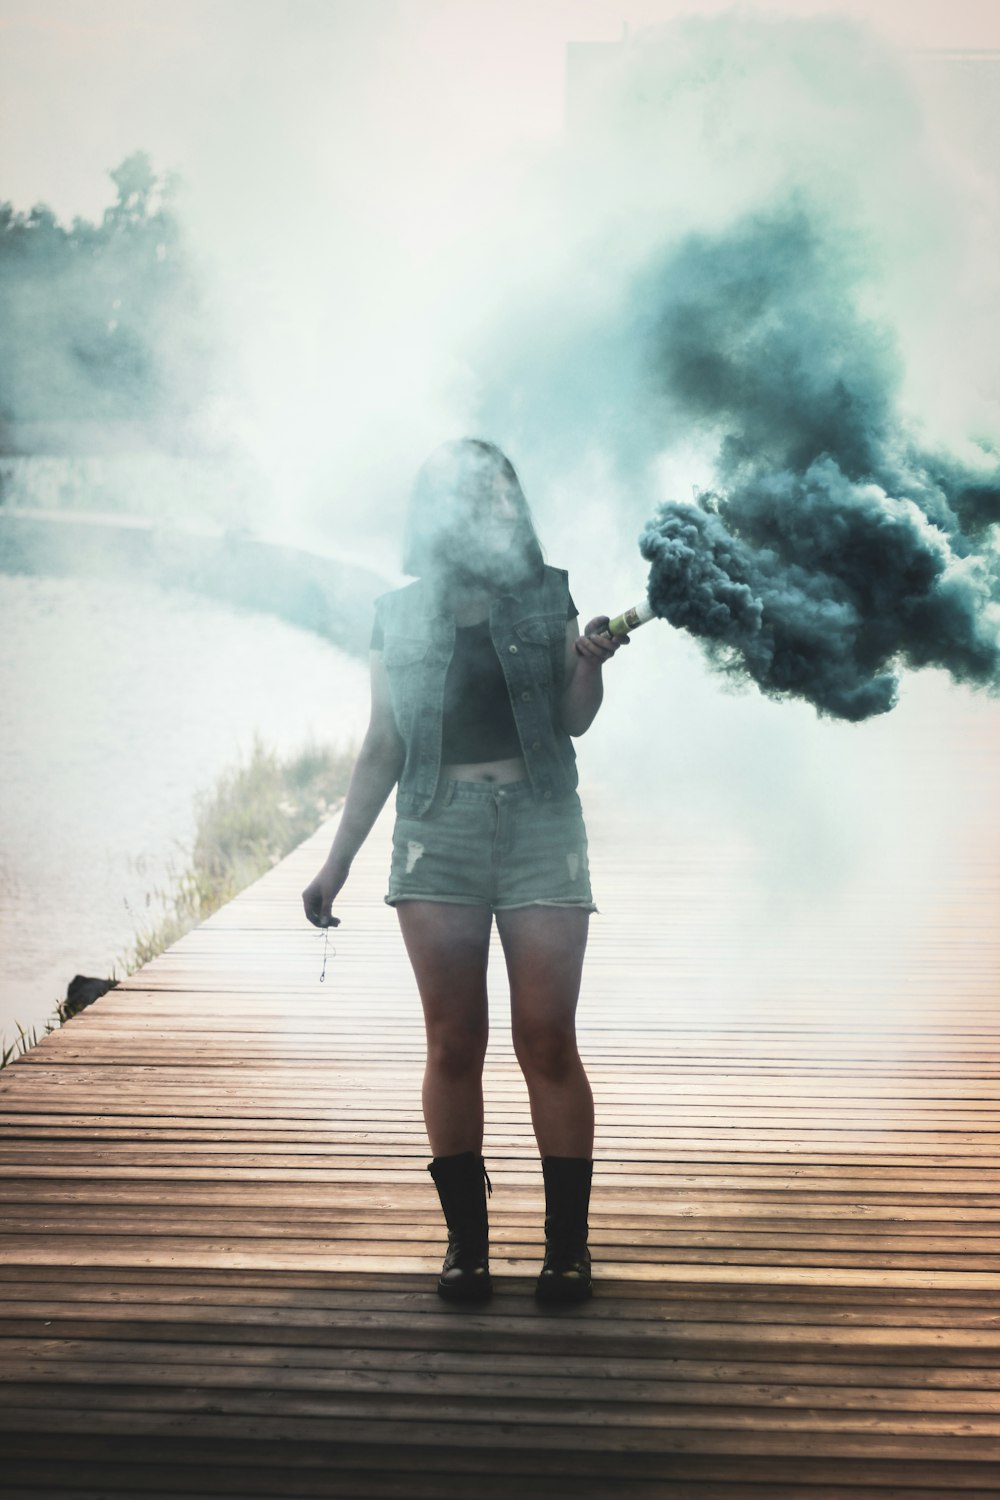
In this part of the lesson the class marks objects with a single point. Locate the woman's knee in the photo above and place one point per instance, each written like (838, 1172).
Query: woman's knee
(546, 1051)
(456, 1050)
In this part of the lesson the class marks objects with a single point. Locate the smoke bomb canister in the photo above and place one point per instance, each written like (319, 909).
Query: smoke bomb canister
(630, 618)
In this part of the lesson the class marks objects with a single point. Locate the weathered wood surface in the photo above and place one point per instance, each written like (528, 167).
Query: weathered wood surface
(219, 1237)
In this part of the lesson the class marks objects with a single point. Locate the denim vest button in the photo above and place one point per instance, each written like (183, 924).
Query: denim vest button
(526, 697)
(513, 650)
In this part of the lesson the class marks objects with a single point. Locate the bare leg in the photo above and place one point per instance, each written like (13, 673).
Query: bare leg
(448, 946)
(544, 948)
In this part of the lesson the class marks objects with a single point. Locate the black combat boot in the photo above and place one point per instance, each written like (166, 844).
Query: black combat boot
(462, 1184)
(565, 1275)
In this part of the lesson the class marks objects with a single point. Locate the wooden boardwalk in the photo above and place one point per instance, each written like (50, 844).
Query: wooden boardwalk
(219, 1237)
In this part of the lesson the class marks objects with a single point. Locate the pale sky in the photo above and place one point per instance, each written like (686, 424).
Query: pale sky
(83, 81)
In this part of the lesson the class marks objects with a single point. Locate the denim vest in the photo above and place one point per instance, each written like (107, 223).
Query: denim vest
(528, 630)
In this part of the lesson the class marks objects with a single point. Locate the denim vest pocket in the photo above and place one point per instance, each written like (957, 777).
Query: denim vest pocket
(403, 657)
(542, 638)
(542, 630)
(403, 651)
(534, 631)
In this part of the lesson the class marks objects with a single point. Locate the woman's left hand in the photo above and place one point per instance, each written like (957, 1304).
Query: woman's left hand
(595, 645)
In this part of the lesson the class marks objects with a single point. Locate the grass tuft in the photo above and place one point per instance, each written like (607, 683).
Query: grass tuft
(255, 814)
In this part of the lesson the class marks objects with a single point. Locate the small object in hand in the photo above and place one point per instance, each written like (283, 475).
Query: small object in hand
(314, 911)
(326, 944)
(629, 619)
(598, 630)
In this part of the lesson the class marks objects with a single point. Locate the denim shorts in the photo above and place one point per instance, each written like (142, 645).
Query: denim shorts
(484, 844)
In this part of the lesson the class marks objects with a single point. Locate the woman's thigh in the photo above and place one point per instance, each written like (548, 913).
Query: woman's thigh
(544, 947)
(448, 946)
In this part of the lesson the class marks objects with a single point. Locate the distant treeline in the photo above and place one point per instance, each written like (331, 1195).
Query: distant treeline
(103, 322)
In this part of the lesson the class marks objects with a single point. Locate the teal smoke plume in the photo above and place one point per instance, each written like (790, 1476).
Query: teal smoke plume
(834, 550)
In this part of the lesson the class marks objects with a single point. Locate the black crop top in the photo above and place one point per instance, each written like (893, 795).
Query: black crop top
(478, 719)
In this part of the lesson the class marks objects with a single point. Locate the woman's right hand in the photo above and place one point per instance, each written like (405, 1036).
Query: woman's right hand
(318, 896)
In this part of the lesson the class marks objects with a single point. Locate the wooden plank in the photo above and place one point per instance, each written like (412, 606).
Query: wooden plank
(728, 1432)
(642, 1377)
(318, 1468)
(629, 1393)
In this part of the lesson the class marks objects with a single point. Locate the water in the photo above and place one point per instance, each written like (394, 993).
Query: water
(118, 703)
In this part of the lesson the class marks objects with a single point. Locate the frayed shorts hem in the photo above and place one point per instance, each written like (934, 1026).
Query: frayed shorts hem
(587, 906)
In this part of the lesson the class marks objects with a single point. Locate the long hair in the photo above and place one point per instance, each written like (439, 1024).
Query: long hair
(449, 504)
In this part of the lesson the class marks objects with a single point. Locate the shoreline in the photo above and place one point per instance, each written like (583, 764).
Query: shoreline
(253, 817)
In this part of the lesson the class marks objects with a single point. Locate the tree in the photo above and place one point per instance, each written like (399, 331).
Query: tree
(136, 182)
(104, 322)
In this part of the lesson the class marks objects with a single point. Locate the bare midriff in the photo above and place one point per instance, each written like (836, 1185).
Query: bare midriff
(494, 772)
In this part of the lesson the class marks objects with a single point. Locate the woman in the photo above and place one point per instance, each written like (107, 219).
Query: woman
(480, 676)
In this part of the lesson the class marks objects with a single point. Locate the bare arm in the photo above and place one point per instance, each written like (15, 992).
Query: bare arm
(584, 687)
(376, 772)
